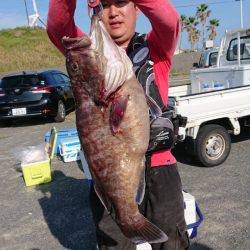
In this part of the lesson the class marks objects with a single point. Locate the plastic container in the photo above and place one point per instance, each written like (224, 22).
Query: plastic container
(73, 156)
(190, 212)
(61, 135)
(39, 172)
(69, 145)
(69, 149)
(36, 173)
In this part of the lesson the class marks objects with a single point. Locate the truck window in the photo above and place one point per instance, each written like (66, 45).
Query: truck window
(213, 58)
(244, 49)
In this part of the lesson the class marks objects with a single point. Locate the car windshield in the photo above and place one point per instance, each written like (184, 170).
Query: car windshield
(21, 81)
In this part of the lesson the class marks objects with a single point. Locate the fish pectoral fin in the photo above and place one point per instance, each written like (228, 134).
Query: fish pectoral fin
(117, 112)
(101, 194)
(155, 110)
(141, 188)
(105, 202)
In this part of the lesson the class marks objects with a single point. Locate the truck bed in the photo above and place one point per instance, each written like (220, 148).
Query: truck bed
(198, 108)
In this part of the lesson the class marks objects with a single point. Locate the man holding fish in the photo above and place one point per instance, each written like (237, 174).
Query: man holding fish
(113, 121)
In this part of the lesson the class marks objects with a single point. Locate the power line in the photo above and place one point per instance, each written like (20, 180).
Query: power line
(204, 2)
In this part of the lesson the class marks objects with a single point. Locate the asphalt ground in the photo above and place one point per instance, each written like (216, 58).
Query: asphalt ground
(57, 215)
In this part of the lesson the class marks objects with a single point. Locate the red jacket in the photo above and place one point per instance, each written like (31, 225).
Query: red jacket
(162, 40)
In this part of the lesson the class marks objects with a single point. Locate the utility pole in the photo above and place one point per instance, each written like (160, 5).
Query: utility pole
(241, 13)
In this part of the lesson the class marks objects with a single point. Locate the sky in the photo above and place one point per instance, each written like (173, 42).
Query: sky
(12, 14)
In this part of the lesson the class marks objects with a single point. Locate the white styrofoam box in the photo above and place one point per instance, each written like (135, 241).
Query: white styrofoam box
(69, 145)
(190, 210)
(73, 156)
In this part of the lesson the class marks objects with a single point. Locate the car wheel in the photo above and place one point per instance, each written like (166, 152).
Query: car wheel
(213, 144)
(61, 112)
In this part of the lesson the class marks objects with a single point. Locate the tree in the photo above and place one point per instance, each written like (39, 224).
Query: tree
(203, 13)
(196, 36)
(183, 20)
(193, 32)
(213, 24)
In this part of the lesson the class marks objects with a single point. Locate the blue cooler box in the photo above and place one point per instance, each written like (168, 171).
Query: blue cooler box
(62, 135)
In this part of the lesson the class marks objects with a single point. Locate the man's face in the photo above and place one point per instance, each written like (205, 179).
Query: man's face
(119, 17)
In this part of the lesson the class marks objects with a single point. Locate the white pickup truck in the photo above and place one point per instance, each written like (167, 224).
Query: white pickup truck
(217, 103)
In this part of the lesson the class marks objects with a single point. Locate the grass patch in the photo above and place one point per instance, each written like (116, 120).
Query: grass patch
(173, 74)
(25, 48)
(3, 137)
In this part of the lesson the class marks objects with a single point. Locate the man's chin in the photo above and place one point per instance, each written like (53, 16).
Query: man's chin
(118, 38)
(116, 35)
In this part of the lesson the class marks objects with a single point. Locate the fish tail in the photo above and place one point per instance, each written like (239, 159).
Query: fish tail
(142, 230)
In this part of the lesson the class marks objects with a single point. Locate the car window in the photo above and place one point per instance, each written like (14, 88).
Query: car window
(213, 58)
(49, 79)
(58, 79)
(21, 81)
(65, 79)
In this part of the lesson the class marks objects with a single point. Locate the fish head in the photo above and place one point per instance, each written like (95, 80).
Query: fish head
(96, 65)
(84, 66)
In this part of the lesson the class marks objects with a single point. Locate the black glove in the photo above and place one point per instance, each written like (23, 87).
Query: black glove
(162, 134)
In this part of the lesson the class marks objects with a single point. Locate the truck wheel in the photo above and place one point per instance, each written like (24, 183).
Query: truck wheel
(61, 112)
(213, 144)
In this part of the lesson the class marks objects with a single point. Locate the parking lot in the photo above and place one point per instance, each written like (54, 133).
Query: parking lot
(57, 215)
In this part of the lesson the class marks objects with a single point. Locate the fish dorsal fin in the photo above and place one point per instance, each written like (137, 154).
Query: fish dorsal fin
(155, 110)
(141, 188)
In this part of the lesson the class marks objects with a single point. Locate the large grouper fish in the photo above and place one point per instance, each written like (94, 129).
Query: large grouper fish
(112, 120)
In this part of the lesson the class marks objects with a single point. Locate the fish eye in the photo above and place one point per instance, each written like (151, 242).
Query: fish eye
(75, 66)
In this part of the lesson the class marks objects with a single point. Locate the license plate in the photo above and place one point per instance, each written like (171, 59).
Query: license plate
(19, 111)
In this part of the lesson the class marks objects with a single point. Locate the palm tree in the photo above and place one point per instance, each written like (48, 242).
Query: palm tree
(196, 36)
(193, 32)
(203, 13)
(183, 20)
(213, 23)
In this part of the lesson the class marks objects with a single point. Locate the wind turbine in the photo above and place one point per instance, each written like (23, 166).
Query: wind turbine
(33, 19)
(26, 10)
